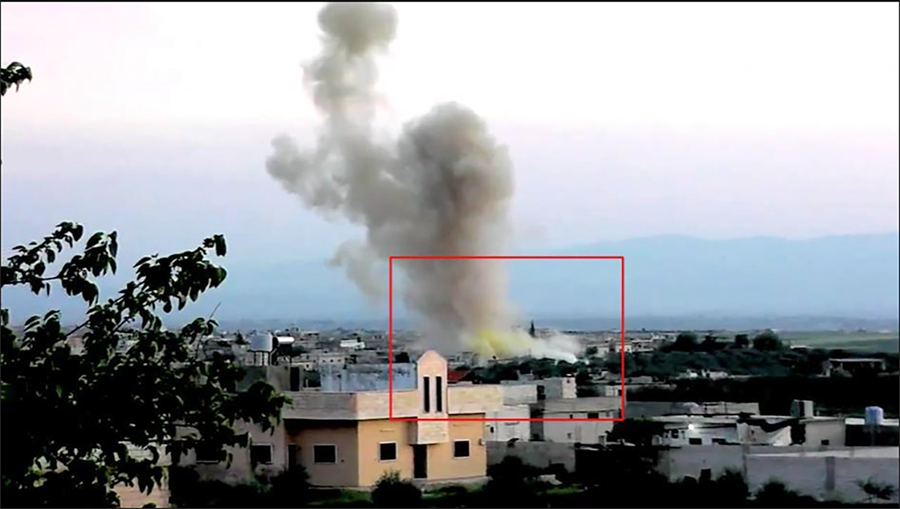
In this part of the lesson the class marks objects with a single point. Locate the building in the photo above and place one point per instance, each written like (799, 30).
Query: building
(348, 439)
(571, 430)
(686, 430)
(853, 366)
(511, 422)
(352, 344)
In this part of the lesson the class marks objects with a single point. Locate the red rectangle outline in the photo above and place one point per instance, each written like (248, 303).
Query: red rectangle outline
(515, 257)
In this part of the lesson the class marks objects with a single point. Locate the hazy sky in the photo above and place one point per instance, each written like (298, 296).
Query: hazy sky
(623, 120)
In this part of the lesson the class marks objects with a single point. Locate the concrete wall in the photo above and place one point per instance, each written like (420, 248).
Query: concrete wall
(825, 473)
(503, 431)
(832, 432)
(366, 377)
(475, 398)
(585, 432)
(241, 469)
(559, 388)
(563, 407)
(442, 465)
(519, 394)
(537, 454)
(638, 409)
(371, 435)
(346, 471)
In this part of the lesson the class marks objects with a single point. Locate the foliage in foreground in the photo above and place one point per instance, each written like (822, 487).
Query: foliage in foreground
(71, 421)
(393, 491)
(288, 489)
(13, 74)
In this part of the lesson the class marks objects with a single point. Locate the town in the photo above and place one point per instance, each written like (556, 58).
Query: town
(447, 420)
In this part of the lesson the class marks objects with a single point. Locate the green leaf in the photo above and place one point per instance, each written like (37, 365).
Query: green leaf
(167, 307)
(77, 232)
(51, 256)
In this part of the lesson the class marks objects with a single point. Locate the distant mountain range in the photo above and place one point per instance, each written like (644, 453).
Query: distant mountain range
(838, 282)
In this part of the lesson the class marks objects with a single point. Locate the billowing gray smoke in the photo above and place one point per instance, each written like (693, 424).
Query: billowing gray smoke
(442, 188)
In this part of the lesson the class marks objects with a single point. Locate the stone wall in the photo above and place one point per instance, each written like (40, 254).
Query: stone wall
(825, 472)
(536, 454)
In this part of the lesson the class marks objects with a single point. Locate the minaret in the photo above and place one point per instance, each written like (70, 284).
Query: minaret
(531, 330)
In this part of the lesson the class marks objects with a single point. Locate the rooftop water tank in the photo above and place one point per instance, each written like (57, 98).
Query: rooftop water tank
(874, 416)
(261, 342)
(802, 408)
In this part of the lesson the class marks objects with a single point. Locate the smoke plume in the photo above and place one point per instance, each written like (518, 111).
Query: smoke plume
(442, 188)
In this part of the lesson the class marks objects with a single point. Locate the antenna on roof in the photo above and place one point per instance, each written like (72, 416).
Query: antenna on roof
(214, 311)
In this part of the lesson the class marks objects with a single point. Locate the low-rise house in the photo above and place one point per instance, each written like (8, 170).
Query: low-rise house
(352, 344)
(683, 430)
(853, 366)
(566, 428)
(351, 438)
(647, 409)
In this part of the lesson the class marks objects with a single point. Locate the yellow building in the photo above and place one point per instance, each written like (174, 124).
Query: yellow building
(350, 439)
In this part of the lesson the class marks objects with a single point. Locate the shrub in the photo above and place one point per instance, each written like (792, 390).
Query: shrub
(392, 491)
(876, 490)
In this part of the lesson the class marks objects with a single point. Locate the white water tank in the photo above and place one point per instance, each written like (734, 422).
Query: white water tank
(261, 342)
(874, 416)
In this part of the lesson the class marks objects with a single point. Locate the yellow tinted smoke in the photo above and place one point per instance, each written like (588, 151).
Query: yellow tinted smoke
(501, 344)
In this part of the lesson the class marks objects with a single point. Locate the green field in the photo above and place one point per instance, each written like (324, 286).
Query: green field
(857, 341)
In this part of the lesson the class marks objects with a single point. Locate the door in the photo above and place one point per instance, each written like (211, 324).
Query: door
(420, 461)
(293, 456)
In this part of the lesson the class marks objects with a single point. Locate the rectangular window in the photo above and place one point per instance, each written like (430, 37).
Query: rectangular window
(426, 387)
(439, 394)
(261, 454)
(387, 451)
(695, 441)
(593, 415)
(324, 453)
(461, 449)
(210, 454)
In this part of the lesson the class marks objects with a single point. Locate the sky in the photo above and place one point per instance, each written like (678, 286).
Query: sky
(623, 120)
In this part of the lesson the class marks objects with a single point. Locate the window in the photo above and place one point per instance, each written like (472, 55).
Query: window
(490, 429)
(209, 454)
(461, 449)
(387, 451)
(826, 442)
(324, 454)
(295, 379)
(720, 441)
(593, 415)
(427, 389)
(673, 433)
(695, 441)
(439, 394)
(261, 454)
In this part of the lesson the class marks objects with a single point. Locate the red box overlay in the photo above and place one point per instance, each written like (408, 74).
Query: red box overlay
(543, 419)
